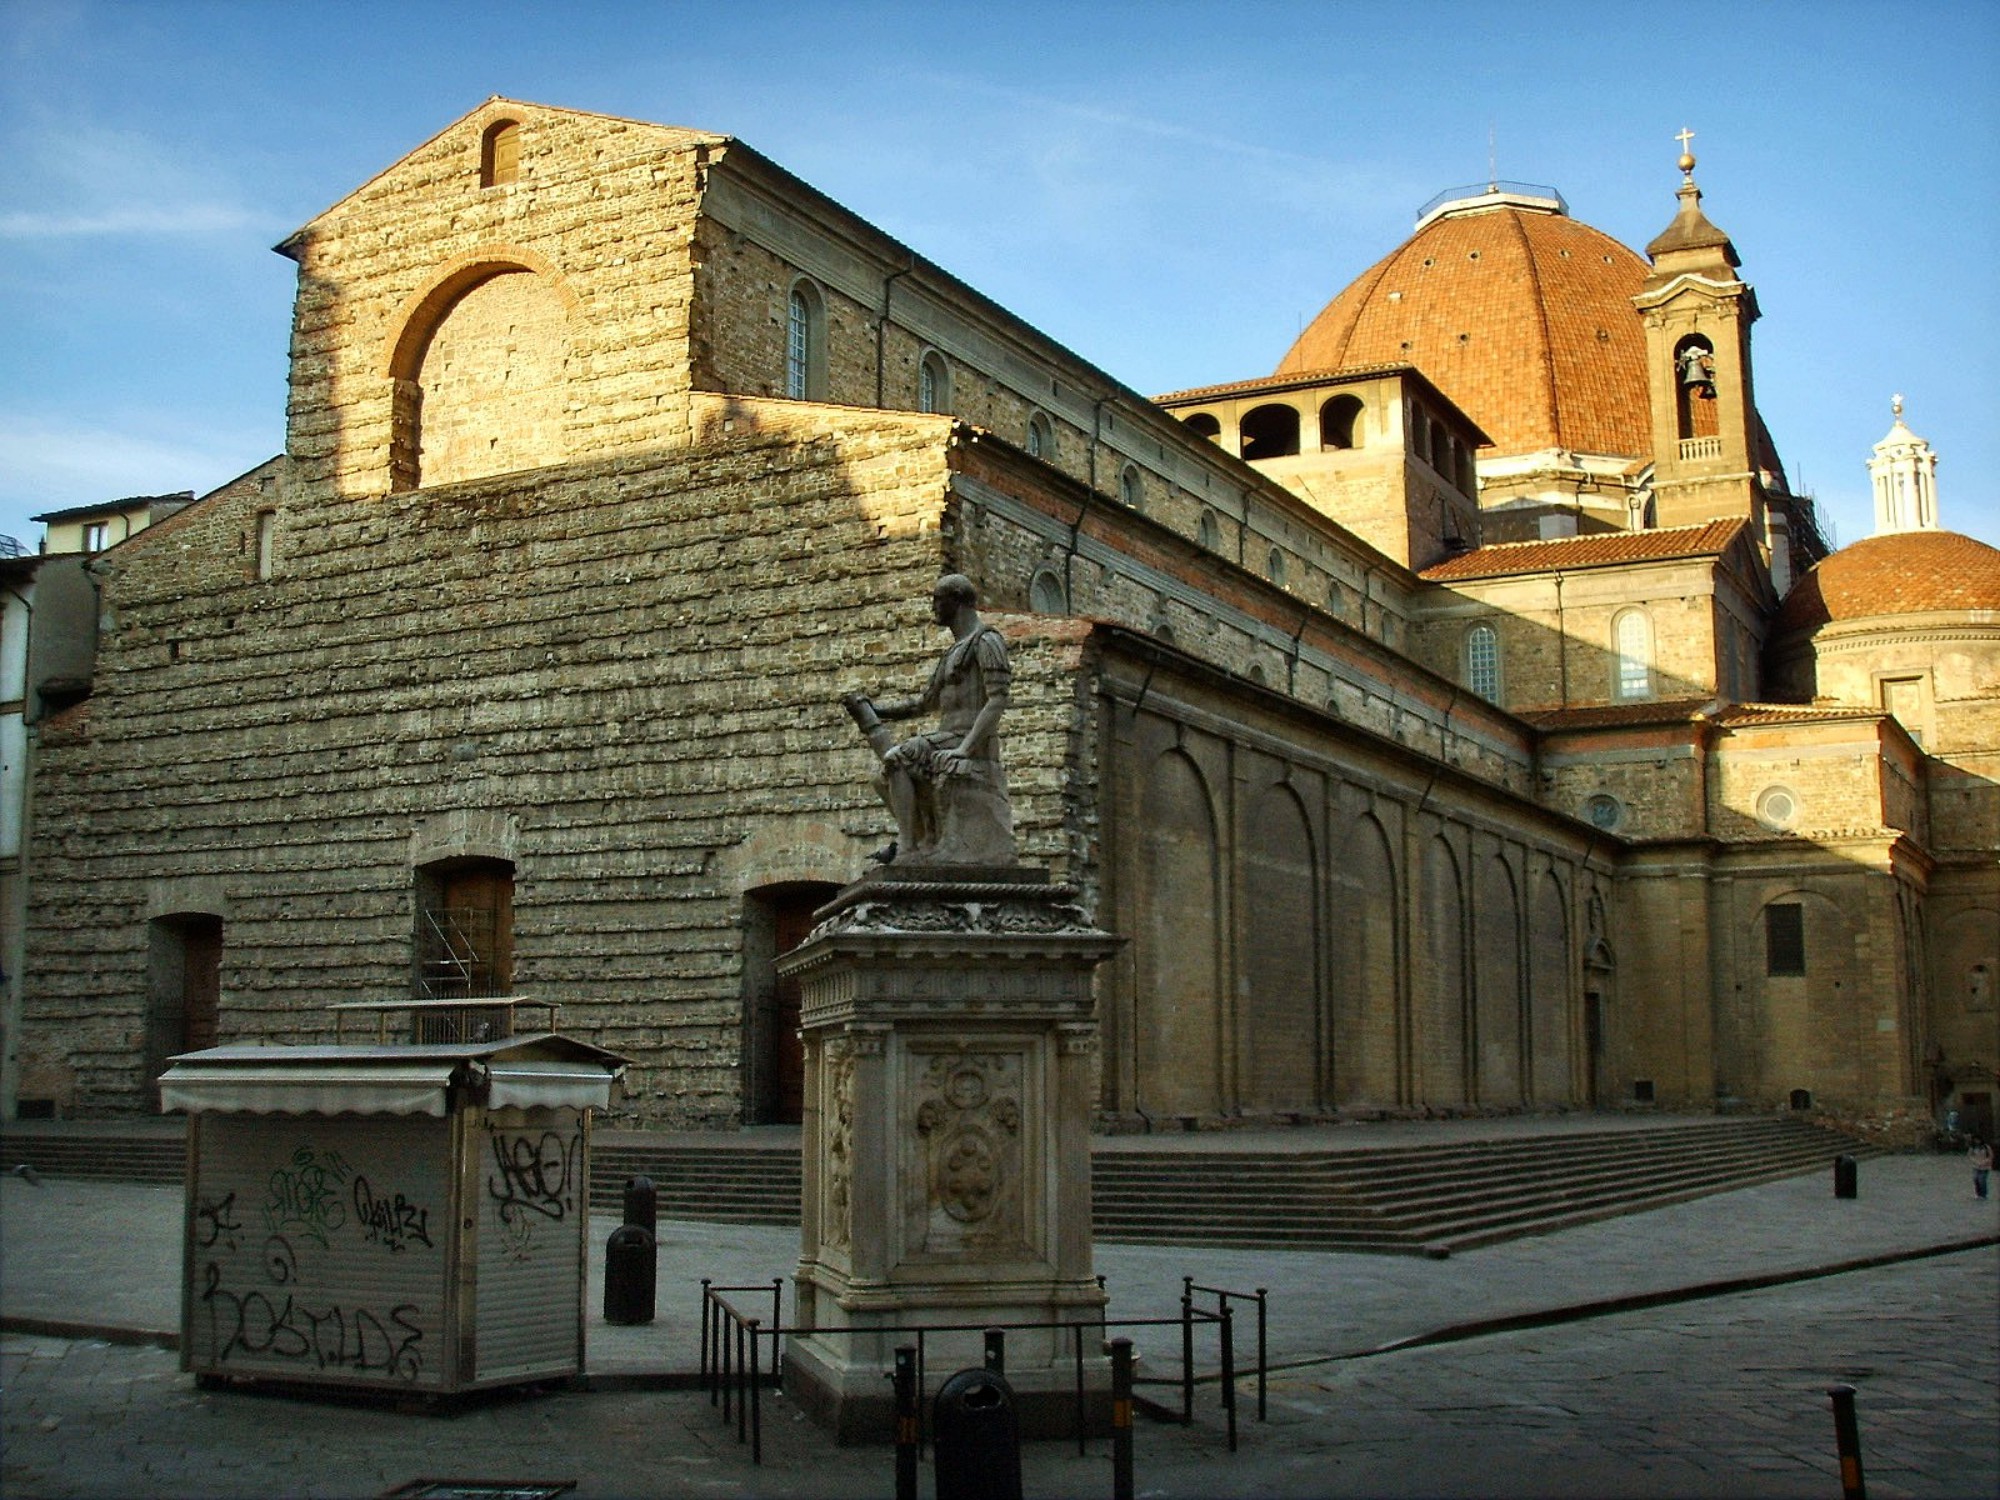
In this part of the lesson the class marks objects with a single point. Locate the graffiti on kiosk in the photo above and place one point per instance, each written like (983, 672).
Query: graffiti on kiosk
(306, 1195)
(392, 1221)
(215, 1222)
(282, 1325)
(535, 1181)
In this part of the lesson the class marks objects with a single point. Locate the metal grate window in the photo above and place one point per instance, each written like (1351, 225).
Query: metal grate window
(1785, 938)
(1482, 662)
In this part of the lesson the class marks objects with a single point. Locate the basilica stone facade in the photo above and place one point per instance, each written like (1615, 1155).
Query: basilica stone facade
(1453, 720)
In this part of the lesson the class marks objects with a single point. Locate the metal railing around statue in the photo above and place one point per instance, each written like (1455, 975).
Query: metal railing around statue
(733, 1362)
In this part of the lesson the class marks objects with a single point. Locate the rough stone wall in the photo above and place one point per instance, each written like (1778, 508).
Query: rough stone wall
(612, 672)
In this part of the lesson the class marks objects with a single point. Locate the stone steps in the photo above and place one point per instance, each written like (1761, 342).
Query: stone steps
(1391, 1198)
(1444, 1197)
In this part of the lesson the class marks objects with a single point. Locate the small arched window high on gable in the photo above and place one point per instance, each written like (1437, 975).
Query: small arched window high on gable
(1041, 438)
(1270, 431)
(1340, 422)
(933, 383)
(1632, 653)
(1482, 662)
(500, 154)
(805, 343)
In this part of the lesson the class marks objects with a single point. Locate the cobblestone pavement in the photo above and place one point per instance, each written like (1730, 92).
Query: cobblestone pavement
(1722, 1397)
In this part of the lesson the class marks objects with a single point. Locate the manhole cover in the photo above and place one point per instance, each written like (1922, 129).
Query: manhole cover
(481, 1489)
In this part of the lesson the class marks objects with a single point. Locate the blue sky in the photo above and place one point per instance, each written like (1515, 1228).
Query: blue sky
(1169, 189)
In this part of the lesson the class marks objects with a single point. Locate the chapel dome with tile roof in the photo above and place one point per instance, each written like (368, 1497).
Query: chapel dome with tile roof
(1900, 573)
(1516, 311)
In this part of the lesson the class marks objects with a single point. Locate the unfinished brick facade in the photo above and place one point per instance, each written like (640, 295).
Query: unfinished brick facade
(557, 591)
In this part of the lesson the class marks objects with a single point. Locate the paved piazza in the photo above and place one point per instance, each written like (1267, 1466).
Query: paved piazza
(1724, 1397)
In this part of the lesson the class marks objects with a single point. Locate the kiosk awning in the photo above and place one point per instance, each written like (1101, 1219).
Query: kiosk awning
(403, 1088)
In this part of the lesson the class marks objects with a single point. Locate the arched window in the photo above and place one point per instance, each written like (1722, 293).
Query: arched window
(933, 383)
(1204, 423)
(1210, 532)
(500, 153)
(1632, 650)
(1270, 431)
(1041, 438)
(267, 543)
(1441, 449)
(1046, 594)
(1340, 422)
(1274, 567)
(805, 343)
(1131, 489)
(1482, 662)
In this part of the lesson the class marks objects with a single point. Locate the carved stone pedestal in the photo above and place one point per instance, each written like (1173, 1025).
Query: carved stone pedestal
(949, 1048)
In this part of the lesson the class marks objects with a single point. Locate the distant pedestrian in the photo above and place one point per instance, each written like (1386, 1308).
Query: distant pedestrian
(1982, 1163)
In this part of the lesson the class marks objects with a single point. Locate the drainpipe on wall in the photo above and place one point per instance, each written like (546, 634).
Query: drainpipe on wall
(1562, 646)
(882, 331)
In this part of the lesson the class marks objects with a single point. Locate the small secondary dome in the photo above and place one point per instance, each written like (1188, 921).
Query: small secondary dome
(1902, 573)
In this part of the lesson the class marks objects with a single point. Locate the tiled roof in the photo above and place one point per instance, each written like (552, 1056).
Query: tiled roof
(1596, 550)
(1619, 715)
(1904, 573)
(1288, 377)
(1789, 713)
(1523, 318)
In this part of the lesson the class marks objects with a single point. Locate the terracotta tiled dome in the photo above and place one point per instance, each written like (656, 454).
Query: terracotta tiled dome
(1522, 315)
(1903, 573)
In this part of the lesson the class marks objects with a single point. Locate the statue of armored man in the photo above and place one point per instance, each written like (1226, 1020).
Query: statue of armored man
(947, 787)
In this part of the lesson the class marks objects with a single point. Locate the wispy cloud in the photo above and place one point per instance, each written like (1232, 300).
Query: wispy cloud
(69, 179)
(52, 463)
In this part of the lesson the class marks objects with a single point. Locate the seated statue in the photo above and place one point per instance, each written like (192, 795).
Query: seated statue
(947, 788)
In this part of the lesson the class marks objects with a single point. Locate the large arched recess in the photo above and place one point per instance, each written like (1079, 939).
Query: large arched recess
(1548, 993)
(1278, 1016)
(1440, 975)
(1498, 984)
(1176, 1028)
(479, 372)
(1365, 1021)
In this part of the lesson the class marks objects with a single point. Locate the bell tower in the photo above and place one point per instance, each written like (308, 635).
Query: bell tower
(1697, 314)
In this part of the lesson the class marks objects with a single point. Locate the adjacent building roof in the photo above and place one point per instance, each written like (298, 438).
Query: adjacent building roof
(1902, 573)
(1596, 550)
(1519, 313)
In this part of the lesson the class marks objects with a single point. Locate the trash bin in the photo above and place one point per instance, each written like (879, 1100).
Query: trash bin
(631, 1273)
(1846, 1177)
(978, 1438)
(410, 1218)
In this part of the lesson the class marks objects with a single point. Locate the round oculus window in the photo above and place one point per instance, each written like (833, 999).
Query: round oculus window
(1604, 810)
(1777, 808)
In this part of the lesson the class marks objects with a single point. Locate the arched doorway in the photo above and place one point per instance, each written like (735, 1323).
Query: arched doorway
(776, 919)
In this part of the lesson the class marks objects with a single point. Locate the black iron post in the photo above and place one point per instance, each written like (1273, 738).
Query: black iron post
(1847, 1437)
(1187, 1351)
(1263, 1350)
(1229, 1369)
(707, 1312)
(907, 1407)
(1121, 1419)
(753, 1370)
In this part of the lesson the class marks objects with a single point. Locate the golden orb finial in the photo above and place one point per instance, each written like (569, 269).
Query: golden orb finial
(1687, 156)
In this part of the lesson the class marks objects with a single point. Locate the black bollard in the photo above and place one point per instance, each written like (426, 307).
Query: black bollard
(1121, 1419)
(1847, 1438)
(631, 1273)
(1846, 1177)
(978, 1438)
(642, 1205)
